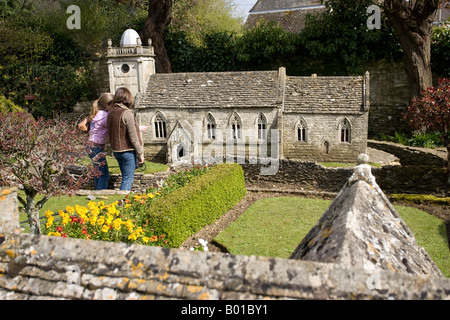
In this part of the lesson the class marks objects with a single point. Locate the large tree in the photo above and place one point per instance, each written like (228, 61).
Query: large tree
(412, 21)
(159, 17)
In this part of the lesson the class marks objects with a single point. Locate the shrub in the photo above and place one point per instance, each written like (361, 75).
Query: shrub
(7, 106)
(37, 155)
(186, 210)
(420, 199)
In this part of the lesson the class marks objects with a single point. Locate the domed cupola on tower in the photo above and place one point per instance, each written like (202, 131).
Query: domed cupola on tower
(131, 64)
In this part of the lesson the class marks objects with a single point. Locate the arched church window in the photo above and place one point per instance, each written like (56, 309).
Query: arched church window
(211, 126)
(160, 127)
(301, 130)
(262, 126)
(345, 131)
(236, 127)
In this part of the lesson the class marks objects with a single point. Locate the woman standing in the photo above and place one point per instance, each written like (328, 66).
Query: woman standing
(124, 136)
(98, 135)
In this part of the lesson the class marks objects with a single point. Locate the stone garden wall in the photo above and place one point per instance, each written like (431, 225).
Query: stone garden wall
(43, 267)
(392, 179)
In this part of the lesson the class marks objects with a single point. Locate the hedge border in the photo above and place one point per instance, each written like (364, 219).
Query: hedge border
(206, 198)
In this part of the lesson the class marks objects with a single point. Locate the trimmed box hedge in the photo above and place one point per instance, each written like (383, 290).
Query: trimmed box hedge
(206, 198)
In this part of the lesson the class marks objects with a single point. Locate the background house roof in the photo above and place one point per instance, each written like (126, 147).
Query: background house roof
(290, 14)
(268, 5)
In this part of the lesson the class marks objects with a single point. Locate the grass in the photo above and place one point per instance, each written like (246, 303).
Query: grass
(113, 166)
(265, 230)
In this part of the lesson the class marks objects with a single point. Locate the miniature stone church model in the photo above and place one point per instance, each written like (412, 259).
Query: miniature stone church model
(209, 116)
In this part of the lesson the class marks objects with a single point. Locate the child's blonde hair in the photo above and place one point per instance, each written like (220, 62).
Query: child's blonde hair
(101, 103)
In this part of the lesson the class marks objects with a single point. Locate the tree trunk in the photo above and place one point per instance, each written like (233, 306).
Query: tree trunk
(159, 17)
(412, 22)
(32, 213)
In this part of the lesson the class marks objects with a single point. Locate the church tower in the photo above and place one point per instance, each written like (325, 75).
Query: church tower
(131, 64)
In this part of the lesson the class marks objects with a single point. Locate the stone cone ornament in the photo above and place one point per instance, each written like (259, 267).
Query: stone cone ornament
(362, 229)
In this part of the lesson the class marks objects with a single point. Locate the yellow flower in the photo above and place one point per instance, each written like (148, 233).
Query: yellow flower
(95, 212)
(105, 228)
(93, 220)
(91, 205)
(145, 239)
(56, 234)
(138, 231)
(117, 224)
(127, 206)
(80, 209)
(49, 213)
(129, 225)
(132, 237)
(112, 210)
(101, 220)
(151, 195)
(69, 209)
(49, 222)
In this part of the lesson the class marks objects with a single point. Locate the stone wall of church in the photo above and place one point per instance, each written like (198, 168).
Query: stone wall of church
(323, 137)
(194, 124)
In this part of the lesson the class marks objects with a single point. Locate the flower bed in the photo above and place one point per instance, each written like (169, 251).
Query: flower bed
(136, 218)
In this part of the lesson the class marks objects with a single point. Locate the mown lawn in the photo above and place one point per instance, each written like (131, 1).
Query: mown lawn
(274, 227)
(113, 166)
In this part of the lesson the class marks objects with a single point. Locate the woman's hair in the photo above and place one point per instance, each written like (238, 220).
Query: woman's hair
(101, 103)
(123, 96)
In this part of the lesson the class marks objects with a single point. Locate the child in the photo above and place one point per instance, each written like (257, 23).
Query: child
(98, 134)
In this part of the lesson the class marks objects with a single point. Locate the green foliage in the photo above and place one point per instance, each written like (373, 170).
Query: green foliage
(440, 48)
(8, 106)
(56, 89)
(215, 54)
(199, 18)
(267, 43)
(186, 210)
(342, 32)
(418, 139)
(15, 7)
(19, 46)
(420, 199)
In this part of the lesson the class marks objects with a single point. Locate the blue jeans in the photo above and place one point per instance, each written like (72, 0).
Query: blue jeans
(127, 164)
(98, 157)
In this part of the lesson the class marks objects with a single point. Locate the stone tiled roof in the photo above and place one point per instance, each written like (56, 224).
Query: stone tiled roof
(324, 94)
(255, 89)
(212, 90)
